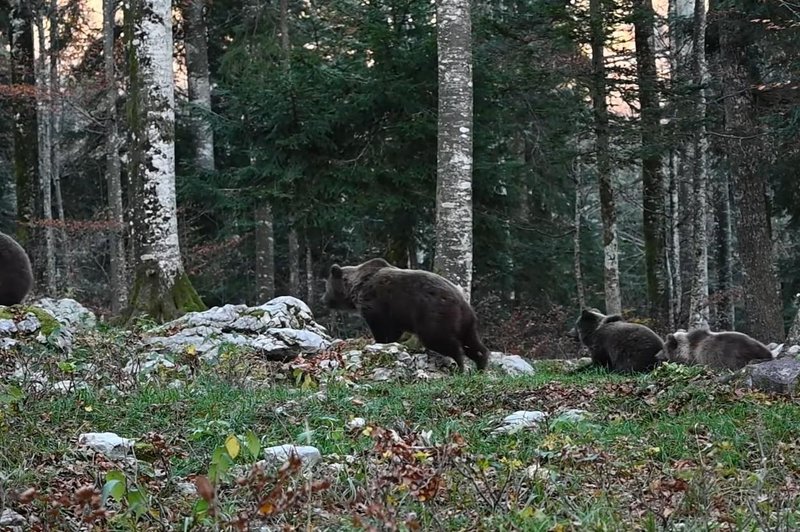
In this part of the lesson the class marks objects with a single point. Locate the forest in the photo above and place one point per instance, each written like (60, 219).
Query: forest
(183, 175)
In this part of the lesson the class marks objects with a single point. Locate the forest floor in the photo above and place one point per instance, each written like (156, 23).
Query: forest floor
(649, 453)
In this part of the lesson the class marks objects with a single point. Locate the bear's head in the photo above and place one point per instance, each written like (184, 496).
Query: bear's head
(588, 322)
(343, 283)
(676, 348)
(338, 292)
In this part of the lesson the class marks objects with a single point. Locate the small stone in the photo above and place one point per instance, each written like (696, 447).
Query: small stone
(356, 423)
(280, 453)
(382, 374)
(7, 326)
(520, 420)
(30, 324)
(111, 445)
(793, 351)
(11, 518)
(187, 489)
(511, 364)
(573, 415)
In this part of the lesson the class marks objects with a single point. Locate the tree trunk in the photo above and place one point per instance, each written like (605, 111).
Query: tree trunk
(674, 261)
(310, 295)
(653, 190)
(161, 287)
(762, 301)
(793, 338)
(199, 84)
(608, 208)
(56, 113)
(724, 242)
(453, 255)
(45, 138)
(26, 170)
(119, 273)
(265, 252)
(576, 240)
(294, 263)
(698, 305)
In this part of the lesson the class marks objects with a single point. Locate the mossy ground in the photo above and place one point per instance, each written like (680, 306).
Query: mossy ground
(657, 451)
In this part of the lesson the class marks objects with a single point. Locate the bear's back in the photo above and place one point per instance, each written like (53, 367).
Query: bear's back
(729, 349)
(16, 277)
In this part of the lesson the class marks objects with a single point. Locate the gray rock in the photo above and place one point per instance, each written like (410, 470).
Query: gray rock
(11, 518)
(29, 324)
(280, 453)
(112, 446)
(779, 376)
(382, 374)
(7, 326)
(519, 420)
(69, 313)
(793, 351)
(510, 364)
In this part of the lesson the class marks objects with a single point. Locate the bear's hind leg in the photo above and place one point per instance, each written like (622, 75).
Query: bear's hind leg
(382, 331)
(449, 347)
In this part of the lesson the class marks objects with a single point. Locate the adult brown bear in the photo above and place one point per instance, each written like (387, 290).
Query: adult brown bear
(393, 301)
(16, 277)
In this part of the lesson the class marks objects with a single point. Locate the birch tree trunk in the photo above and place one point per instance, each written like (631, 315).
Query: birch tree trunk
(793, 338)
(760, 286)
(608, 208)
(576, 240)
(653, 190)
(26, 170)
(45, 138)
(453, 255)
(674, 261)
(265, 246)
(118, 266)
(698, 303)
(199, 84)
(56, 113)
(161, 287)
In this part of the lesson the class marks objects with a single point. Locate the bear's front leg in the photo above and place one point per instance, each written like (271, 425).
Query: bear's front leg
(384, 332)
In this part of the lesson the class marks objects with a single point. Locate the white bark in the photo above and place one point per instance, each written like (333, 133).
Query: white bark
(793, 337)
(674, 260)
(265, 252)
(698, 307)
(45, 122)
(118, 273)
(453, 258)
(199, 84)
(158, 226)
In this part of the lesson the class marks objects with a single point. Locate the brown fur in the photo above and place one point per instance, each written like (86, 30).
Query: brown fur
(16, 277)
(615, 344)
(393, 301)
(722, 350)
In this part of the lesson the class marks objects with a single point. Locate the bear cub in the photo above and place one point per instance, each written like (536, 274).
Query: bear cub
(723, 350)
(615, 344)
(16, 277)
(393, 301)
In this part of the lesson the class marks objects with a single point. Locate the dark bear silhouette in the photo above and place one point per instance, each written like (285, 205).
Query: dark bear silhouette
(16, 277)
(615, 344)
(722, 350)
(393, 301)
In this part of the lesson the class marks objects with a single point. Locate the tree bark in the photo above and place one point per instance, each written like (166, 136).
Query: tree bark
(55, 158)
(118, 264)
(265, 258)
(161, 287)
(674, 260)
(26, 169)
(761, 291)
(653, 190)
(199, 84)
(45, 138)
(294, 263)
(608, 208)
(453, 254)
(310, 292)
(725, 311)
(698, 305)
(576, 240)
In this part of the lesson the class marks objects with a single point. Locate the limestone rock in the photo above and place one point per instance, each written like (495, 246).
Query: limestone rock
(779, 376)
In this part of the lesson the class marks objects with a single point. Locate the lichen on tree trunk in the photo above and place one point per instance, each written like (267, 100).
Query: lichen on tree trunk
(157, 296)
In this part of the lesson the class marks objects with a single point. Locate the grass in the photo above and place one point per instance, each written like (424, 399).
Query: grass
(673, 449)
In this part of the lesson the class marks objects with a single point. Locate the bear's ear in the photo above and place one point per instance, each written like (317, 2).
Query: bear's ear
(336, 271)
(586, 313)
(671, 341)
(612, 318)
